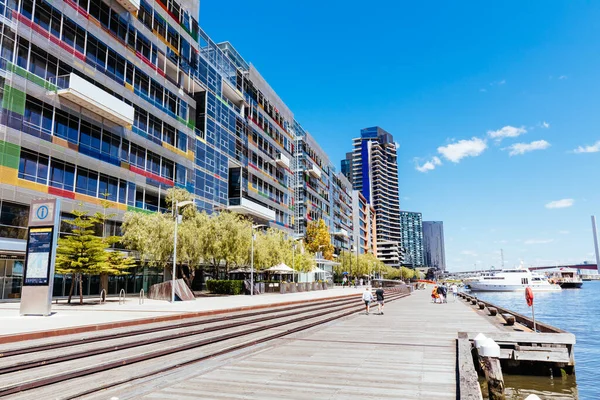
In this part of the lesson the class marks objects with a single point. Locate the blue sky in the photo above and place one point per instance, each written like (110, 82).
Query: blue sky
(497, 102)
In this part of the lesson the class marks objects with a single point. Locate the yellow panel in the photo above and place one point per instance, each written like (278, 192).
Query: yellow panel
(124, 165)
(174, 149)
(190, 155)
(87, 199)
(38, 187)
(128, 86)
(8, 175)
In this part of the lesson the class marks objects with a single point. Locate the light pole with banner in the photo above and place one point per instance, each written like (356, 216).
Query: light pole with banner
(252, 258)
(38, 276)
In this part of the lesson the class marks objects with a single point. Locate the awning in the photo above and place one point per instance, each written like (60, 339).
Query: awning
(280, 269)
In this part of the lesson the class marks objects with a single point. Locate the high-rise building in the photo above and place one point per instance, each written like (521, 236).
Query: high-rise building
(375, 176)
(433, 244)
(123, 100)
(365, 230)
(412, 238)
(347, 166)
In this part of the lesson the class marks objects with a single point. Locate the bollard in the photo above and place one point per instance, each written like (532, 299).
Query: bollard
(493, 311)
(141, 297)
(474, 301)
(481, 305)
(103, 296)
(489, 353)
(122, 293)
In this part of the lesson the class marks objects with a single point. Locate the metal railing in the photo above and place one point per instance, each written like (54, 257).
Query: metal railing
(122, 295)
(103, 296)
(141, 301)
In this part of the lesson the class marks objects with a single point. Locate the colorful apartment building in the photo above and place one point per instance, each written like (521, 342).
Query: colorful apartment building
(124, 99)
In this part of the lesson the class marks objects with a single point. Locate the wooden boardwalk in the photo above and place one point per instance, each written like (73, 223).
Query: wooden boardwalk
(408, 353)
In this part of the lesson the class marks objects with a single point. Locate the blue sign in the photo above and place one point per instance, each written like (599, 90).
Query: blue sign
(42, 212)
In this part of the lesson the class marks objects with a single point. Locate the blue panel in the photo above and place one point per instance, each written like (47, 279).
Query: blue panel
(366, 183)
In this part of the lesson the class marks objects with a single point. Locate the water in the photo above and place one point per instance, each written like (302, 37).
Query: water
(573, 310)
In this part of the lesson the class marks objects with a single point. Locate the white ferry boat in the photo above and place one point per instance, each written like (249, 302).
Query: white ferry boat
(512, 280)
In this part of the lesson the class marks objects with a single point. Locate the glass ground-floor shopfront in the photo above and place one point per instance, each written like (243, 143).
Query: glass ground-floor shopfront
(11, 280)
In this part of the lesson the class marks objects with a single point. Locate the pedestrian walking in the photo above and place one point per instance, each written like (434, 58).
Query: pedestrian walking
(454, 289)
(440, 294)
(434, 294)
(444, 293)
(344, 281)
(361, 281)
(380, 300)
(367, 298)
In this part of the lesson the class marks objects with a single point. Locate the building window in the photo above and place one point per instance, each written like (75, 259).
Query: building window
(87, 182)
(62, 175)
(33, 167)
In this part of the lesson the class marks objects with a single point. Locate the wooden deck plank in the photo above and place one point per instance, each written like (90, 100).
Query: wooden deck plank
(409, 353)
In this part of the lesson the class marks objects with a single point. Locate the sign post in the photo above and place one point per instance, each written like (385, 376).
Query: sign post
(38, 277)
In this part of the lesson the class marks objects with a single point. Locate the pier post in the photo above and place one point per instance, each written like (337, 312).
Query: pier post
(494, 378)
(596, 242)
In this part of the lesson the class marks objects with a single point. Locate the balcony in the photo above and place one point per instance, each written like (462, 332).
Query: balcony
(83, 93)
(130, 5)
(314, 171)
(282, 160)
(232, 93)
(341, 233)
(248, 207)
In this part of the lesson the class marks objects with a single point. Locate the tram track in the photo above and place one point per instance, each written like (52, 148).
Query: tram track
(103, 360)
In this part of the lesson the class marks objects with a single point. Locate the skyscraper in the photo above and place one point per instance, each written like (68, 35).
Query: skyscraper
(412, 237)
(375, 176)
(433, 244)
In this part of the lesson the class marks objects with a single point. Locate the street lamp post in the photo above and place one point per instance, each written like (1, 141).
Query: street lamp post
(294, 258)
(174, 273)
(252, 259)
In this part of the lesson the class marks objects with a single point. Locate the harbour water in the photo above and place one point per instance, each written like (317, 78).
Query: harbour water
(576, 311)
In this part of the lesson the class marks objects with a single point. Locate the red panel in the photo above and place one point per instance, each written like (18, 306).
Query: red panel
(61, 193)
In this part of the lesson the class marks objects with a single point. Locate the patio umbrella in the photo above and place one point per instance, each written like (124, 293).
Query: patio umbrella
(280, 269)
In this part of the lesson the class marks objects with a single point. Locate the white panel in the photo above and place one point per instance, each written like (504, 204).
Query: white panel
(249, 207)
(130, 5)
(97, 100)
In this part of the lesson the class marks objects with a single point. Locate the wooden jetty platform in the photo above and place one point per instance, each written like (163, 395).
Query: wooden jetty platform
(408, 353)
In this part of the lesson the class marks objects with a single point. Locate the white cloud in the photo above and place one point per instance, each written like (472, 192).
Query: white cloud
(522, 148)
(502, 82)
(483, 90)
(501, 241)
(429, 165)
(564, 232)
(545, 125)
(463, 148)
(469, 253)
(563, 203)
(538, 241)
(397, 145)
(507, 132)
(588, 149)
(562, 77)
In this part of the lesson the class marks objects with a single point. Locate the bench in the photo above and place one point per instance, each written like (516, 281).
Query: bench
(510, 319)
(493, 311)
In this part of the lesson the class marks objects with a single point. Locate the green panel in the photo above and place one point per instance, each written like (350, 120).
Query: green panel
(9, 155)
(140, 210)
(14, 100)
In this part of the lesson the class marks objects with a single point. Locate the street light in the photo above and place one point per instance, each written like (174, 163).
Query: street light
(174, 274)
(252, 258)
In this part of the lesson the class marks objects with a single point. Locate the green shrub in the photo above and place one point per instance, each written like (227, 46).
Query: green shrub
(225, 286)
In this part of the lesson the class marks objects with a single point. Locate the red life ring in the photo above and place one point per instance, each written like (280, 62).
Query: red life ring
(529, 296)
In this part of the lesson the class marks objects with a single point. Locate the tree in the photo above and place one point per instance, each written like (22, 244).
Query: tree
(227, 240)
(150, 235)
(81, 253)
(317, 239)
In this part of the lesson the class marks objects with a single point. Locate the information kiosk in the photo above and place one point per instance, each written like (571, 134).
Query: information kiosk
(42, 237)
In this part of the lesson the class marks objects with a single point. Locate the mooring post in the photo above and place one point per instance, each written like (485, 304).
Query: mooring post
(489, 355)
(494, 378)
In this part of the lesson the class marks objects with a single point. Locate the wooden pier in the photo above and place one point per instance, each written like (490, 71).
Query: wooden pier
(407, 353)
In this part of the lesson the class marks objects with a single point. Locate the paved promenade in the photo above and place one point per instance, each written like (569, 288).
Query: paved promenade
(92, 313)
(407, 353)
